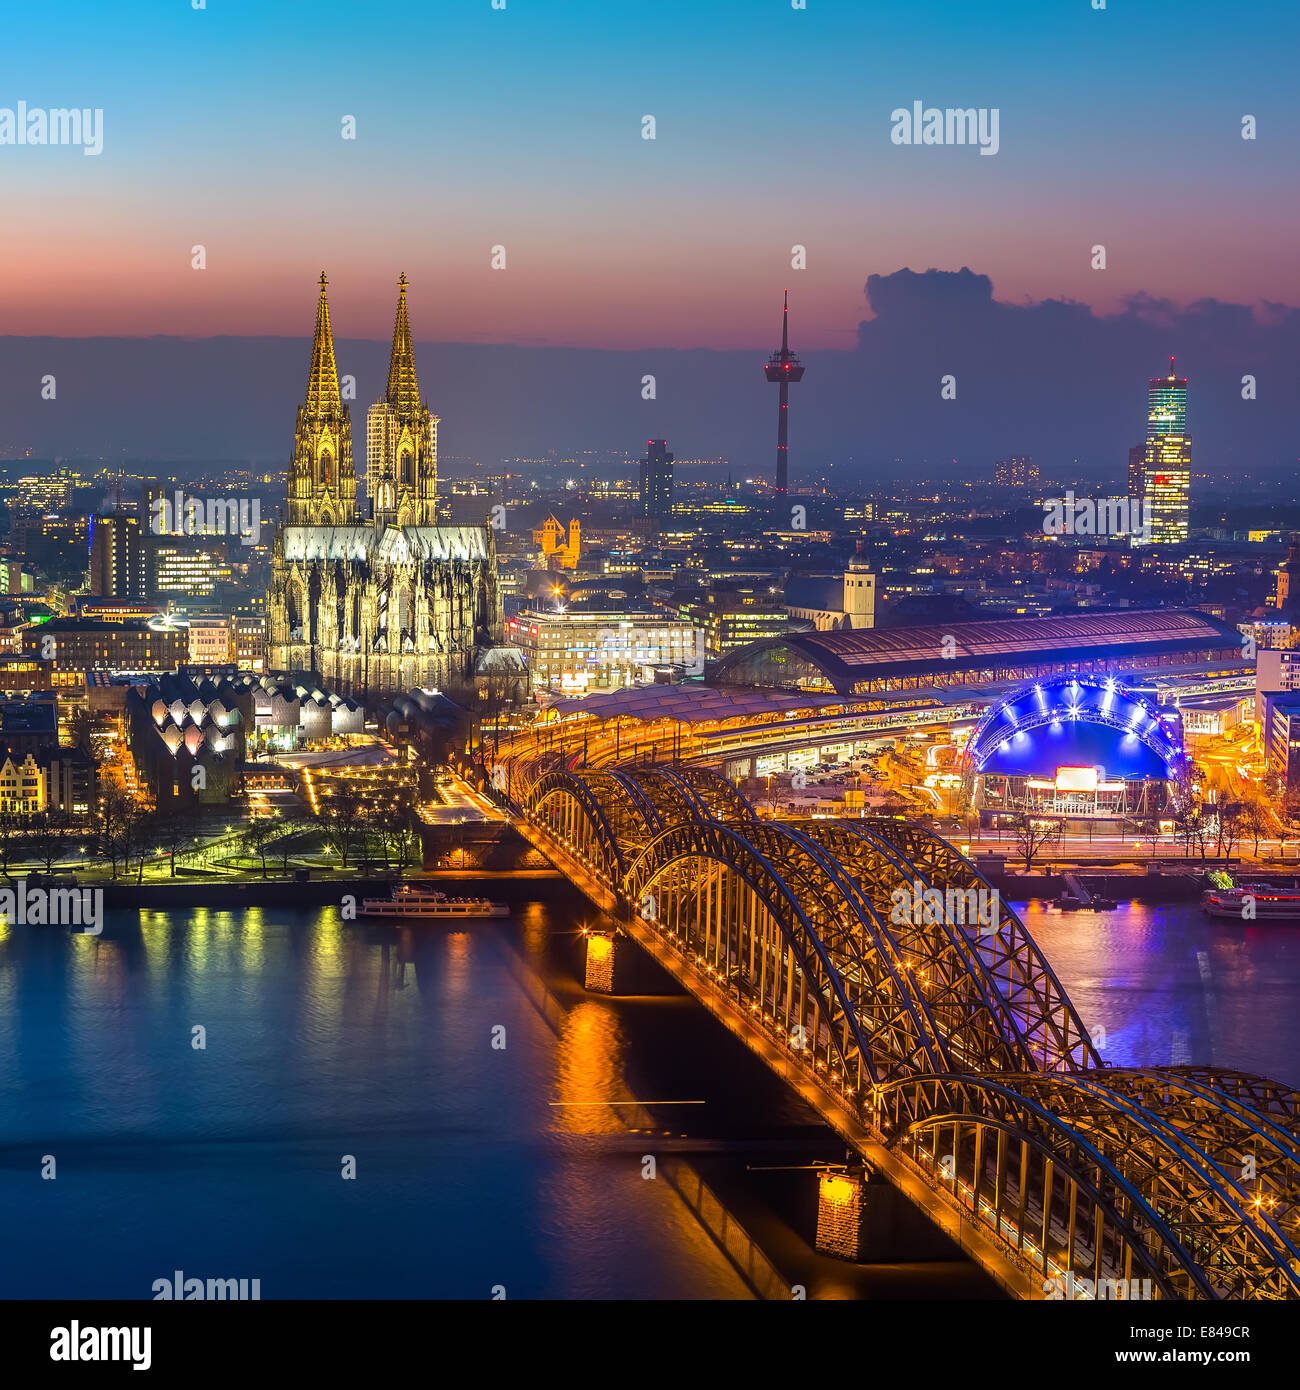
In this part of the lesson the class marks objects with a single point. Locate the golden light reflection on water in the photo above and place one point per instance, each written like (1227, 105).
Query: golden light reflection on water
(589, 1069)
(533, 923)
(252, 926)
(459, 956)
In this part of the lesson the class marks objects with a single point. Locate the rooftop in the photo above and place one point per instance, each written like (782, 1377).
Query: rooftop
(847, 657)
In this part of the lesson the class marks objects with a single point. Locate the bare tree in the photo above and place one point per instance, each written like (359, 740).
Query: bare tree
(171, 834)
(48, 838)
(1031, 835)
(258, 836)
(1255, 821)
(341, 818)
(1230, 814)
(1192, 827)
(397, 826)
(288, 829)
(119, 816)
(12, 838)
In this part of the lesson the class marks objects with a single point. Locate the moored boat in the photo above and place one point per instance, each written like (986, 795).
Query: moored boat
(1252, 902)
(408, 902)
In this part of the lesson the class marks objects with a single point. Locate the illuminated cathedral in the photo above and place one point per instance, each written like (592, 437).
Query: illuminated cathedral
(373, 605)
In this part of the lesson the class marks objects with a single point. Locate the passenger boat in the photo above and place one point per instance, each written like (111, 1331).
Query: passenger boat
(408, 901)
(1270, 903)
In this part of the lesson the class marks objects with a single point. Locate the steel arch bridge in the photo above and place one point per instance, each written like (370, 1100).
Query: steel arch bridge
(939, 1042)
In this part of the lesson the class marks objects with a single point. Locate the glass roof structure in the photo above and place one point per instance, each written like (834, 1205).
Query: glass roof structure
(848, 662)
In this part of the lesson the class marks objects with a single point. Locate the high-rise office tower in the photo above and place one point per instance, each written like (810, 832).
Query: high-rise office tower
(1018, 471)
(1167, 466)
(1137, 470)
(657, 481)
(783, 367)
(119, 557)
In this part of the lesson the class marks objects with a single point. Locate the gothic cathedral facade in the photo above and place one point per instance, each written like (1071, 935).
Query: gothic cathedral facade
(375, 605)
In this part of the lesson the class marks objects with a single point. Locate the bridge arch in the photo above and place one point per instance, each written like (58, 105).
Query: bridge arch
(939, 1040)
(566, 806)
(1002, 970)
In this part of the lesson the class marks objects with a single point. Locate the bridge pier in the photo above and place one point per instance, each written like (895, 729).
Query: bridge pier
(598, 973)
(862, 1217)
(841, 1213)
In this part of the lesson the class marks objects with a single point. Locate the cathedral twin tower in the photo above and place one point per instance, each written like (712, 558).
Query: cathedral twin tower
(375, 605)
(401, 439)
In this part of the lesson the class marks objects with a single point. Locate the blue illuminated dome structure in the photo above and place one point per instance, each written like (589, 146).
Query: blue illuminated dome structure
(1076, 747)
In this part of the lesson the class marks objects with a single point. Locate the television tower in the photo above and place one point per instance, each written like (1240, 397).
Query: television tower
(784, 367)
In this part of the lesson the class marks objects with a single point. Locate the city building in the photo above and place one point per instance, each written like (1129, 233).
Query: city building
(733, 615)
(1019, 471)
(553, 552)
(1213, 716)
(1282, 736)
(1288, 582)
(976, 653)
(187, 569)
(23, 673)
(1167, 464)
(118, 610)
(29, 725)
(14, 579)
(119, 557)
(71, 531)
(828, 604)
(38, 774)
(395, 603)
(175, 725)
(50, 493)
(580, 650)
(212, 640)
(22, 788)
(250, 641)
(1137, 470)
(657, 481)
(73, 646)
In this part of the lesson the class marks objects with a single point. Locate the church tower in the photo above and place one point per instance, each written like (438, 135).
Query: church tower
(859, 593)
(402, 439)
(1288, 581)
(322, 476)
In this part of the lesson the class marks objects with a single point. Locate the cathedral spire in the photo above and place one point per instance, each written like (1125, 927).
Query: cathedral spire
(323, 381)
(403, 386)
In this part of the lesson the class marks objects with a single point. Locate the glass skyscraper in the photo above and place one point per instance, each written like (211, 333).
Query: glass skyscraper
(1167, 462)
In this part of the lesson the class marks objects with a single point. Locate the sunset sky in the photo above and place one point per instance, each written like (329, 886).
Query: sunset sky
(523, 127)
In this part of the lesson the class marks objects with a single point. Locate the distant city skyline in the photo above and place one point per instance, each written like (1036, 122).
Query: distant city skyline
(1054, 381)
